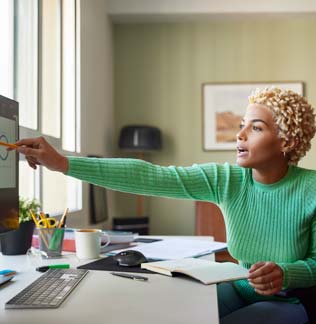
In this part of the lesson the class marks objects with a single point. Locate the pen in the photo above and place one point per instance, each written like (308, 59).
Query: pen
(53, 266)
(129, 276)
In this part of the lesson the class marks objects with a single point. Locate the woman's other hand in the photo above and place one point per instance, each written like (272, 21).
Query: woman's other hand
(266, 278)
(38, 151)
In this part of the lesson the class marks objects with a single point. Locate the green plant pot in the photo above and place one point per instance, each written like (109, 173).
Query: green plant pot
(19, 241)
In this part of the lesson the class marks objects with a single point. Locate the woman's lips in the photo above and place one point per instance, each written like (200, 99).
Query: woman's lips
(241, 152)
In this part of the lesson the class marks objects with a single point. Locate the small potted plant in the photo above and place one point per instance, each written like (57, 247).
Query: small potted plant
(24, 209)
(19, 241)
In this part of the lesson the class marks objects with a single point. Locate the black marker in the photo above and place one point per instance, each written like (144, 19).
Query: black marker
(129, 276)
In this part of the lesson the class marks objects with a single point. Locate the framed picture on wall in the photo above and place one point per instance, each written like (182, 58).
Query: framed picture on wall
(223, 107)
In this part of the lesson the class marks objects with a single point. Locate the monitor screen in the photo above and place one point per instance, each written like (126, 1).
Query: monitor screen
(9, 177)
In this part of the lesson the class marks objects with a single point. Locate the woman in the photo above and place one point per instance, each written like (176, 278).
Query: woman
(268, 202)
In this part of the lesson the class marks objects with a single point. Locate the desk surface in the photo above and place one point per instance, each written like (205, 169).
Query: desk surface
(103, 296)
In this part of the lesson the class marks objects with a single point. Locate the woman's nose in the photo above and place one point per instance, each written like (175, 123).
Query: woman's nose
(241, 135)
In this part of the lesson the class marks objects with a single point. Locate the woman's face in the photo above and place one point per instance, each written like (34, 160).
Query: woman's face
(258, 144)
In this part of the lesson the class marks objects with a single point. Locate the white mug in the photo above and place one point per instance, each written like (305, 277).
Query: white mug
(88, 243)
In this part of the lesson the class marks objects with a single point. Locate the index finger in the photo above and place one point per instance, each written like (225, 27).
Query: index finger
(263, 270)
(256, 266)
(27, 141)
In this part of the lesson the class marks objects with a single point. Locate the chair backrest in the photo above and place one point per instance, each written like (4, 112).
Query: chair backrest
(209, 221)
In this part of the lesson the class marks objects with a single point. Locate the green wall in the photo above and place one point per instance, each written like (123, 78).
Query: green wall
(158, 72)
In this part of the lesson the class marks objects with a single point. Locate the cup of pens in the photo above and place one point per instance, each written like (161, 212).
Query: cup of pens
(51, 241)
(50, 234)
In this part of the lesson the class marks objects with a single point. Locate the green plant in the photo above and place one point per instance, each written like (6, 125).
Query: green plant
(24, 208)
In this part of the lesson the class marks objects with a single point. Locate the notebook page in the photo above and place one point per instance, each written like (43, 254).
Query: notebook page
(177, 248)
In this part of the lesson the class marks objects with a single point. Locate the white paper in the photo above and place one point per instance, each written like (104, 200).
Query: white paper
(206, 271)
(177, 248)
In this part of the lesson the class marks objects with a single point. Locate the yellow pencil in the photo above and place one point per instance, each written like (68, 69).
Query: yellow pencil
(42, 215)
(39, 229)
(63, 218)
(13, 146)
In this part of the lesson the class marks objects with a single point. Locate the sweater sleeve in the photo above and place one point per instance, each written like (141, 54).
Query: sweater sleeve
(302, 273)
(197, 182)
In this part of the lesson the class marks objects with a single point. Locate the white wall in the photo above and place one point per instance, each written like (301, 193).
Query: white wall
(96, 91)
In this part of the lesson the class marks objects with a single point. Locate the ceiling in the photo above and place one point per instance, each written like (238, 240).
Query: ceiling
(127, 11)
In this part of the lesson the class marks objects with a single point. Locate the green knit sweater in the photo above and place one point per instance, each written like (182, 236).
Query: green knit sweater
(275, 222)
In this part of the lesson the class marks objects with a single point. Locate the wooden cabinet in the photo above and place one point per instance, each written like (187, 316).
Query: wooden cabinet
(209, 221)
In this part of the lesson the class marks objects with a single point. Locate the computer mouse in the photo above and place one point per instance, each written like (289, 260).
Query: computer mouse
(129, 258)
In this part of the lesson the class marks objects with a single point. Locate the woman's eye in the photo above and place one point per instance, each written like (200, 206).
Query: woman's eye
(256, 128)
(241, 126)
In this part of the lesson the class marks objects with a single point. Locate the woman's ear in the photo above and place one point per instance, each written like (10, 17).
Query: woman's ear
(289, 145)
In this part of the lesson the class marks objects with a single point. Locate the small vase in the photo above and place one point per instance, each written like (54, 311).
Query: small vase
(19, 241)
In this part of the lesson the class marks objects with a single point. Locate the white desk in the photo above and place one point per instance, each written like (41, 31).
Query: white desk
(104, 298)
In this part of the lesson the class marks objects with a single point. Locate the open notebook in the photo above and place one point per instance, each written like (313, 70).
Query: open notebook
(208, 272)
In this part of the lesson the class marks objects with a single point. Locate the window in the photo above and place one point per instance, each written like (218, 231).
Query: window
(50, 72)
(69, 70)
(26, 65)
(39, 64)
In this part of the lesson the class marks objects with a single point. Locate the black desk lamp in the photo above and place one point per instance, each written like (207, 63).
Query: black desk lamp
(140, 139)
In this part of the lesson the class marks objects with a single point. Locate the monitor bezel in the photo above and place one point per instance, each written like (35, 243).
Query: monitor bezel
(13, 114)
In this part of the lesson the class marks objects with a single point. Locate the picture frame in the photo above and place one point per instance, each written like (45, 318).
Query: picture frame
(223, 107)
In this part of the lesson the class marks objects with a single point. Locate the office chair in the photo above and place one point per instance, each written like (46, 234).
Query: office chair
(307, 296)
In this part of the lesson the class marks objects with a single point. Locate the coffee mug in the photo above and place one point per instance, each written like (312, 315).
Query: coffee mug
(88, 243)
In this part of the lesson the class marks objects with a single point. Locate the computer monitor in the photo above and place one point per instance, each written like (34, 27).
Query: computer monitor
(9, 171)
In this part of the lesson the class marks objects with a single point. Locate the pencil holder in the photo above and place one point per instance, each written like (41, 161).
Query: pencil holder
(51, 241)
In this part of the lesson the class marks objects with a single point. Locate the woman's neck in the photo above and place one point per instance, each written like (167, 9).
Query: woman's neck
(272, 174)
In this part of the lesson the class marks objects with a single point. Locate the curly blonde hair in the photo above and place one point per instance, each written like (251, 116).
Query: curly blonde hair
(293, 115)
